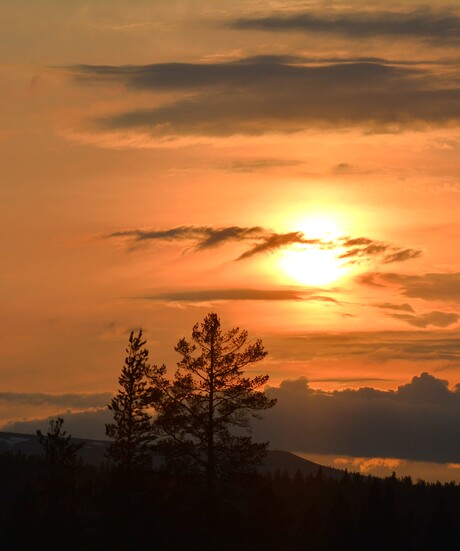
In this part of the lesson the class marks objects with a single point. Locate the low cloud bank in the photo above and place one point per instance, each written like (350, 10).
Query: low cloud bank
(419, 421)
(84, 424)
(78, 400)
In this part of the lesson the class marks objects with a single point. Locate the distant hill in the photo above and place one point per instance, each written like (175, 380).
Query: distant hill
(93, 452)
(291, 463)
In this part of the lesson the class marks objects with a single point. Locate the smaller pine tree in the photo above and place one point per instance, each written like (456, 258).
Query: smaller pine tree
(62, 467)
(131, 430)
(61, 454)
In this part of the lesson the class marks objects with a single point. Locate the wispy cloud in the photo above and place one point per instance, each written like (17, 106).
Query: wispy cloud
(431, 286)
(405, 312)
(278, 94)
(401, 307)
(263, 240)
(254, 165)
(205, 237)
(277, 241)
(421, 23)
(401, 256)
(373, 346)
(214, 295)
(436, 319)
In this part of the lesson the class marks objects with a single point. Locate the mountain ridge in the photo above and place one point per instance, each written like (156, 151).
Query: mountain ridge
(93, 453)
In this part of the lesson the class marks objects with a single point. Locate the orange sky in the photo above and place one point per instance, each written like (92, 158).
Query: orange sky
(293, 166)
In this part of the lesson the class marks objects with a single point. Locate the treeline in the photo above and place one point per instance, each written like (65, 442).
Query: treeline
(87, 507)
(181, 473)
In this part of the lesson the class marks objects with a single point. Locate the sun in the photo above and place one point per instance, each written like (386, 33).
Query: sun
(313, 266)
(317, 264)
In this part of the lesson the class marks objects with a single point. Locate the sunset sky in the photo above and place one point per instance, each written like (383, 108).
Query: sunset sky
(292, 166)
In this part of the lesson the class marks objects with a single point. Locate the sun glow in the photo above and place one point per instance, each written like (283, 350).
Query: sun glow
(315, 264)
(312, 265)
(324, 227)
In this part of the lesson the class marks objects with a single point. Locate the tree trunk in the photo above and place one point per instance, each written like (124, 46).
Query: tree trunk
(210, 467)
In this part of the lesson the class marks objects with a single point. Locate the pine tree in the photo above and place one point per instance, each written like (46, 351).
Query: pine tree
(61, 454)
(203, 414)
(62, 467)
(131, 429)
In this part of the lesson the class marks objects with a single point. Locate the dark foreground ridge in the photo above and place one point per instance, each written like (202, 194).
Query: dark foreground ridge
(291, 504)
(93, 453)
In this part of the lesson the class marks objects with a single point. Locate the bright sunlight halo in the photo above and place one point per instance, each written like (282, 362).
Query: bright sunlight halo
(312, 264)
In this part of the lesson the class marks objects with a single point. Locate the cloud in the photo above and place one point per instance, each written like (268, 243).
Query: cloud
(437, 319)
(213, 295)
(418, 421)
(253, 165)
(426, 24)
(402, 307)
(428, 389)
(368, 248)
(375, 466)
(71, 400)
(84, 424)
(266, 241)
(264, 94)
(373, 346)
(278, 241)
(401, 256)
(431, 286)
(350, 380)
(205, 236)
(365, 248)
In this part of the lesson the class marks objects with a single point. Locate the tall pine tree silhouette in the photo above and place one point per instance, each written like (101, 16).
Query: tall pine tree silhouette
(131, 430)
(203, 414)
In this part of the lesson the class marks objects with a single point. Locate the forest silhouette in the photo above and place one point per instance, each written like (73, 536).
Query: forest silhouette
(182, 472)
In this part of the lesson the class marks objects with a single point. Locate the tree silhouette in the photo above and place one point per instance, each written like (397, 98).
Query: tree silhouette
(62, 467)
(61, 454)
(203, 414)
(131, 429)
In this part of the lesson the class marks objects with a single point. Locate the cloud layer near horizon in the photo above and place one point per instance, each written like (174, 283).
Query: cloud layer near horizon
(79, 400)
(419, 421)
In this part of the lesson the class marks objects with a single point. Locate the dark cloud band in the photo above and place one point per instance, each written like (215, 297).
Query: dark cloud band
(276, 93)
(419, 421)
(428, 24)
